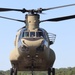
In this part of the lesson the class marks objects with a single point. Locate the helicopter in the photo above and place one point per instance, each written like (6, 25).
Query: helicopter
(32, 50)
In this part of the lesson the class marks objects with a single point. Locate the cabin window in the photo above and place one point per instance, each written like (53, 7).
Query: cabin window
(26, 34)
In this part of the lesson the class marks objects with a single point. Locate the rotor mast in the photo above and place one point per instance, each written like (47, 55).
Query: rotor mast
(32, 21)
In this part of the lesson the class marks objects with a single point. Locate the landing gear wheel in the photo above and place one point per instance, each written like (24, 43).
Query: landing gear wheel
(13, 71)
(51, 71)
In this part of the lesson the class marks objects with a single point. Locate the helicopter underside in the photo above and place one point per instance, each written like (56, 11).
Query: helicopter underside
(27, 65)
(40, 62)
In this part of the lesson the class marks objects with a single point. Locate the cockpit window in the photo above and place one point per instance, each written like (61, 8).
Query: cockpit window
(32, 34)
(39, 34)
(26, 34)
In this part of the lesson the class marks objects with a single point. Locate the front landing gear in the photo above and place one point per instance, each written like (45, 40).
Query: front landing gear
(13, 71)
(51, 71)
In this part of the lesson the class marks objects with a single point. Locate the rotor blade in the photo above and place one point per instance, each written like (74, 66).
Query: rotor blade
(9, 9)
(12, 19)
(60, 18)
(58, 7)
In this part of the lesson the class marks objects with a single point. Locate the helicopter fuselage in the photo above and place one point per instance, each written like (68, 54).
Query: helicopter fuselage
(32, 49)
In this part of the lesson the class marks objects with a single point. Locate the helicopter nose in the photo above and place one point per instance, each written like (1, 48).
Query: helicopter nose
(32, 42)
(32, 45)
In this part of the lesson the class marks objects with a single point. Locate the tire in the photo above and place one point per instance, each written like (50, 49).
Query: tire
(11, 71)
(49, 71)
(53, 71)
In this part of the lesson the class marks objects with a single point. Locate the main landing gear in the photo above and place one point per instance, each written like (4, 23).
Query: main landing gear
(51, 71)
(13, 71)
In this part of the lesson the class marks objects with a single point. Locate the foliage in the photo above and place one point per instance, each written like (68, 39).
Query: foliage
(60, 71)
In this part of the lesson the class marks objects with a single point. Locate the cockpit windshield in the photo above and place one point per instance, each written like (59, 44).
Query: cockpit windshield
(25, 34)
(32, 34)
(39, 34)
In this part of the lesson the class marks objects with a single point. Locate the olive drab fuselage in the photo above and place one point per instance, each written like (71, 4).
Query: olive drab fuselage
(32, 47)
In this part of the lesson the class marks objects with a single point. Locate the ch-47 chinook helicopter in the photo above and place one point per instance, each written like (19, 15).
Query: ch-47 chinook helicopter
(32, 50)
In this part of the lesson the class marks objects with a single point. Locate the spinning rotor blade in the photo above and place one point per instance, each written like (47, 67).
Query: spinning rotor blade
(59, 18)
(33, 10)
(9, 9)
(58, 7)
(12, 19)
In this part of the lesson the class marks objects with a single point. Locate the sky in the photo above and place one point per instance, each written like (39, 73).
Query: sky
(64, 46)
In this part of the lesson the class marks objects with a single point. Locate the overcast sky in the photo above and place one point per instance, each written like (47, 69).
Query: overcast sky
(64, 45)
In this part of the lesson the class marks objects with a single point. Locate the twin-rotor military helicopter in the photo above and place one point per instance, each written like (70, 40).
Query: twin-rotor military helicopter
(32, 50)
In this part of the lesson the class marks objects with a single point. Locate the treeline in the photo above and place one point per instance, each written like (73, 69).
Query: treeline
(65, 71)
(60, 71)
